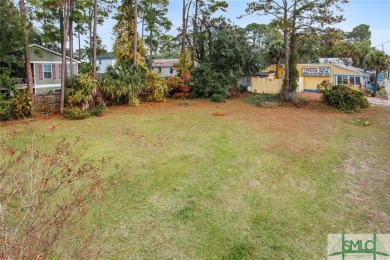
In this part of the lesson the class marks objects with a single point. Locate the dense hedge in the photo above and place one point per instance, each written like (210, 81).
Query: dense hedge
(345, 98)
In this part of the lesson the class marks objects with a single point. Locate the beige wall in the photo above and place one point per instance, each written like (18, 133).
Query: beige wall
(308, 82)
(265, 85)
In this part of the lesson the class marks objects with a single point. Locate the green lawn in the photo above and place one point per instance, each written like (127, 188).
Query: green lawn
(254, 183)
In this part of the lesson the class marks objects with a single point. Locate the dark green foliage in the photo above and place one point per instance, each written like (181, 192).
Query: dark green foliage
(81, 90)
(6, 81)
(225, 56)
(86, 68)
(75, 113)
(207, 82)
(11, 35)
(218, 98)
(5, 108)
(123, 83)
(264, 100)
(97, 110)
(345, 99)
(8, 84)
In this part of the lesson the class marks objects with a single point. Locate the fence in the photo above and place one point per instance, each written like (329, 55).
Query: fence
(266, 85)
(47, 103)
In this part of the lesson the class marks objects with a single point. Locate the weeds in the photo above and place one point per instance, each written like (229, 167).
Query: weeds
(43, 196)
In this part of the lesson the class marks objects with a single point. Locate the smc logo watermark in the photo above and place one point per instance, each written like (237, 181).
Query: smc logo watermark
(359, 246)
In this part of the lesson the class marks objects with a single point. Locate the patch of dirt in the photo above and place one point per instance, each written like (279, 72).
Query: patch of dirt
(219, 114)
(311, 96)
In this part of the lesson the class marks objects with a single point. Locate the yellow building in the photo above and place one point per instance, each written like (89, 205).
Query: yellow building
(312, 75)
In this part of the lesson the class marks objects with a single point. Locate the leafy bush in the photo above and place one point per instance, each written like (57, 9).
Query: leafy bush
(264, 100)
(5, 108)
(345, 98)
(123, 83)
(86, 68)
(97, 110)
(218, 98)
(300, 101)
(6, 101)
(178, 86)
(75, 113)
(43, 197)
(6, 81)
(21, 104)
(81, 91)
(208, 82)
(157, 89)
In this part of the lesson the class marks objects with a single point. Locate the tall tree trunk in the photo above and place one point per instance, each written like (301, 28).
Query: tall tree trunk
(71, 38)
(184, 29)
(26, 46)
(79, 38)
(90, 35)
(151, 50)
(195, 33)
(95, 22)
(135, 32)
(143, 25)
(65, 26)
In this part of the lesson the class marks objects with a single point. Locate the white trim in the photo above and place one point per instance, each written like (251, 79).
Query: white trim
(48, 86)
(43, 71)
(58, 54)
(48, 62)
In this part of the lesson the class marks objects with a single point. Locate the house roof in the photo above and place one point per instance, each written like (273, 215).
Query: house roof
(336, 60)
(264, 74)
(165, 62)
(354, 69)
(53, 52)
(106, 56)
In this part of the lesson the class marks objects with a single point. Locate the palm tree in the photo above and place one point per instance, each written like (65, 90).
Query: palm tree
(124, 80)
(376, 60)
(276, 53)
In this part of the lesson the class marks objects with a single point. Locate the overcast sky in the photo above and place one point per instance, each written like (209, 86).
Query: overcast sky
(375, 13)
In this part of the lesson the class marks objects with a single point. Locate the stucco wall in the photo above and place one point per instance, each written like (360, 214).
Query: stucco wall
(165, 71)
(103, 64)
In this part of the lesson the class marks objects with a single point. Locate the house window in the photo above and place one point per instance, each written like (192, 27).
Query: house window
(354, 80)
(342, 80)
(171, 71)
(47, 72)
(68, 69)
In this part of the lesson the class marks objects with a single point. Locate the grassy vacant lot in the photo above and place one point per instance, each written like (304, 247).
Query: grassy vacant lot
(226, 181)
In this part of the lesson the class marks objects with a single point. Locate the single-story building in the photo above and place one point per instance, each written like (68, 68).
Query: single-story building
(46, 69)
(312, 75)
(166, 67)
(103, 61)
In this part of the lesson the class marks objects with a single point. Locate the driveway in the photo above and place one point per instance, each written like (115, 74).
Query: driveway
(378, 101)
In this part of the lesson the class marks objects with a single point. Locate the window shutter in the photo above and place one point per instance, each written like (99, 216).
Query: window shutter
(60, 71)
(53, 68)
(40, 71)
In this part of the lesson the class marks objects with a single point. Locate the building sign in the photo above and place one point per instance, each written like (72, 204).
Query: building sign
(316, 71)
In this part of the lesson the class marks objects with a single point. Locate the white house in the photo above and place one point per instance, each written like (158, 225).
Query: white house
(166, 67)
(103, 61)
